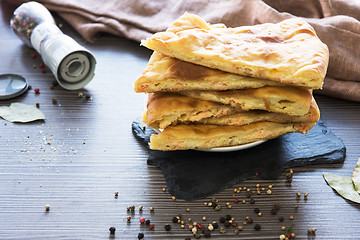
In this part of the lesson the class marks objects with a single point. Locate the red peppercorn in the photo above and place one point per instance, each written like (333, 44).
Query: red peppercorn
(33, 55)
(236, 200)
(43, 70)
(41, 65)
(142, 220)
(199, 226)
(288, 235)
(37, 90)
(151, 226)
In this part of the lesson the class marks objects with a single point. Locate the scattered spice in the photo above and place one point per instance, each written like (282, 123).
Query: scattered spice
(37, 90)
(173, 198)
(47, 207)
(151, 226)
(151, 209)
(43, 70)
(33, 55)
(222, 230)
(41, 65)
(164, 189)
(167, 227)
(257, 227)
(37, 105)
(116, 194)
(128, 218)
(147, 222)
(53, 100)
(140, 208)
(141, 236)
(142, 220)
(112, 230)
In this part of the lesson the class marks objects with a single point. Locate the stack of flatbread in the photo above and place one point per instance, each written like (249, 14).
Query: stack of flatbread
(211, 86)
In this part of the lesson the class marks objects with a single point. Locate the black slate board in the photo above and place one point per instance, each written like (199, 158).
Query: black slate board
(193, 174)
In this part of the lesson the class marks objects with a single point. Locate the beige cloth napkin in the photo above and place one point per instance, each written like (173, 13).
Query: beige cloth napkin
(337, 23)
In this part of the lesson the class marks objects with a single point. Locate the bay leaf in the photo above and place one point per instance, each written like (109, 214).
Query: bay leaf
(356, 176)
(343, 186)
(19, 112)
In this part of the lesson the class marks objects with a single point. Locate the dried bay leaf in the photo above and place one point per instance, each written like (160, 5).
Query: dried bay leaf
(19, 112)
(342, 185)
(356, 176)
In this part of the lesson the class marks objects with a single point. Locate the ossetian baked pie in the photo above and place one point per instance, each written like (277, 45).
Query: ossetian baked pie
(289, 52)
(201, 136)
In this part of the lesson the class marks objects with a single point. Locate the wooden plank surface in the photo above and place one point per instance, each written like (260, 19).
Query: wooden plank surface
(85, 151)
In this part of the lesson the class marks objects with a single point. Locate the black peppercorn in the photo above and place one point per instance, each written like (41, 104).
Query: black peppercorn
(281, 219)
(187, 238)
(228, 217)
(140, 236)
(215, 225)
(222, 220)
(252, 201)
(207, 234)
(147, 222)
(112, 230)
(249, 220)
(257, 227)
(167, 227)
(277, 206)
(256, 210)
(273, 211)
(227, 224)
(175, 220)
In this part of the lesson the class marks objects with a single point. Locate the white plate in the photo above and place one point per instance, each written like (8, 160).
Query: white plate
(233, 148)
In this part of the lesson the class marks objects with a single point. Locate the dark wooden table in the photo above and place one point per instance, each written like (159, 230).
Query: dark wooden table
(85, 151)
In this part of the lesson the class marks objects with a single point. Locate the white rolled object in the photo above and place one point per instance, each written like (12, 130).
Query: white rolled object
(72, 65)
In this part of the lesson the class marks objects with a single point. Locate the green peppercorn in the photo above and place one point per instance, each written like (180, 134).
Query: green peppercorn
(222, 230)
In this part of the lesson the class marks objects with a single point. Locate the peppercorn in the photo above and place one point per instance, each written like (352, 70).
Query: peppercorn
(147, 222)
(291, 217)
(298, 194)
(283, 228)
(188, 209)
(140, 236)
(47, 207)
(33, 55)
(215, 225)
(41, 65)
(277, 206)
(281, 219)
(222, 220)
(252, 201)
(243, 201)
(236, 200)
(229, 206)
(268, 192)
(240, 228)
(37, 105)
(218, 208)
(257, 227)
(115, 193)
(112, 230)
(256, 210)
(214, 205)
(249, 220)
(128, 218)
(282, 237)
(207, 234)
(167, 227)
(259, 214)
(142, 220)
(227, 224)
(273, 211)
(187, 238)
(173, 197)
(204, 218)
(43, 70)
(197, 236)
(151, 226)
(140, 208)
(211, 227)
(174, 220)
(234, 224)
(151, 209)
(222, 230)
